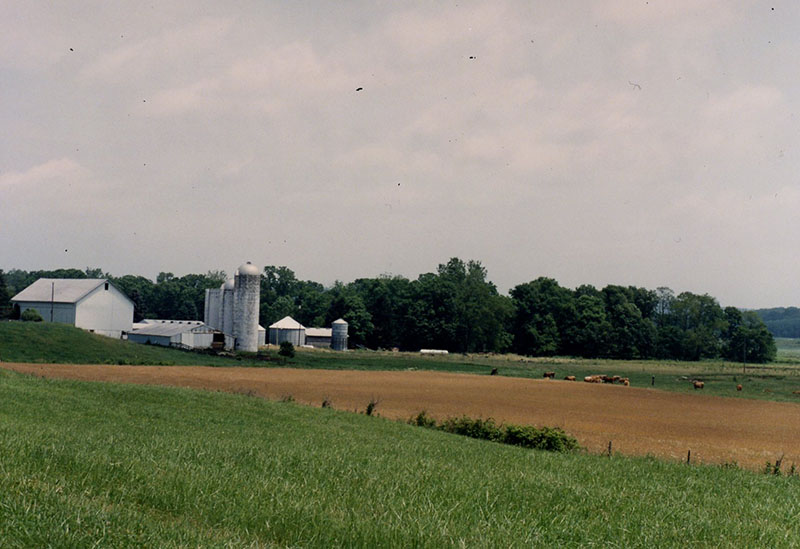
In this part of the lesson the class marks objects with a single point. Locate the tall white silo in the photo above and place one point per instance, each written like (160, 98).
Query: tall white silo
(339, 335)
(227, 307)
(245, 315)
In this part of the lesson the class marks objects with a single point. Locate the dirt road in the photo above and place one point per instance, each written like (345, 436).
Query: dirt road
(638, 421)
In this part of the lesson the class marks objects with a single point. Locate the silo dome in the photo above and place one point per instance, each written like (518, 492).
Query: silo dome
(248, 269)
(228, 284)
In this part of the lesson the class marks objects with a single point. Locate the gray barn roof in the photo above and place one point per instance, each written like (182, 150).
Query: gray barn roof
(169, 328)
(60, 290)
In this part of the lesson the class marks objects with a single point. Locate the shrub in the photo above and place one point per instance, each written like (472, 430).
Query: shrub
(422, 419)
(287, 349)
(484, 429)
(31, 315)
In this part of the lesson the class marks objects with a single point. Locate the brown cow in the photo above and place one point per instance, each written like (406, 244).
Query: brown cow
(698, 384)
(626, 382)
(593, 379)
(739, 387)
(570, 378)
(550, 375)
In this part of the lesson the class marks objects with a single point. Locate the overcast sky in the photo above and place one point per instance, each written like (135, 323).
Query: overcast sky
(651, 143)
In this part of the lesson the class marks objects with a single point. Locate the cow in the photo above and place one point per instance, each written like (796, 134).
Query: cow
(550, 375)
(625, 382)
(593, 379)
(494, 372)
(739, 387)
(698, 384)
(569, 378)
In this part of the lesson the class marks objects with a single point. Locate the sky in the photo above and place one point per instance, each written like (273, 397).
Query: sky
(647, 143)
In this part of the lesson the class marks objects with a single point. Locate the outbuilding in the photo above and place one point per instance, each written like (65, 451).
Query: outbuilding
(287, 329)
(187, 334)
(93, 304)
(318, 337)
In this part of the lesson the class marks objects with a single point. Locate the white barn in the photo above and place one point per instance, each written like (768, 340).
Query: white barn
(93, 304)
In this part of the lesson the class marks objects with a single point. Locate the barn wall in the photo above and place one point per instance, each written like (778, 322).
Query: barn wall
(105, 311)
(63, 313)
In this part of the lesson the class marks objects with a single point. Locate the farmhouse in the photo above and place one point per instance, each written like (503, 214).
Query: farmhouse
(93, 304)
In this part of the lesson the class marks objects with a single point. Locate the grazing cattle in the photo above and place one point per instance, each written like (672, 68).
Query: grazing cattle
(494, 372)
(698, 384)
(550, 375)
(570, 378)
(593, 379)
(625, 382)
(739, 387)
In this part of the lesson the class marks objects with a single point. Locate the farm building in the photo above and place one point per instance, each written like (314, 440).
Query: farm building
(287, 329)
(318, 337)
(93, 304)
(188, 334)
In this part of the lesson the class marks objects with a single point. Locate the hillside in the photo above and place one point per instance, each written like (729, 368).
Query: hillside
(88, 464)
(781, 321)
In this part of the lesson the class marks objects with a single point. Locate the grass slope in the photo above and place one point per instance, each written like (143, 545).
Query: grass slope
(127, 466)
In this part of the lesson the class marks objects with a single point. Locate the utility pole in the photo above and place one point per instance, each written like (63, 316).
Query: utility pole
(52, 298)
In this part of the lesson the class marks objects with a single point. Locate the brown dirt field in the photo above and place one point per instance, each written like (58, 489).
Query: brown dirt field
(638, 421)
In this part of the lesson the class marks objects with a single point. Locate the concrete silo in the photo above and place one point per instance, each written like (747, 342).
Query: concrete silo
(339, 335)
(227, 307)
(246, 301)
(213, 308)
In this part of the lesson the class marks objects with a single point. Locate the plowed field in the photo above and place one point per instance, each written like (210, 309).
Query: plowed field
(638, 421)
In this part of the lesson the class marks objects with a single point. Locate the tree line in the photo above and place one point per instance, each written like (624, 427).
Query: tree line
(457, 308)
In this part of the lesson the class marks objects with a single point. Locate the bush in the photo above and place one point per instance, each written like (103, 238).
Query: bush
(31, 315)
(287, 349)
(552, 439)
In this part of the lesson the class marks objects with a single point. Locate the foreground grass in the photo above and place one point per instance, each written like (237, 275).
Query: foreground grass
(57, 343)
(108, 465)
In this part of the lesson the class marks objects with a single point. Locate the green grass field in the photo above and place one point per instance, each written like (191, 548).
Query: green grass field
(56, 343)
(103, 465)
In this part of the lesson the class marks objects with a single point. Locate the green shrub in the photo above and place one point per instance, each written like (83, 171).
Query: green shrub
(287, 349)
(552, 439)
(31, 315)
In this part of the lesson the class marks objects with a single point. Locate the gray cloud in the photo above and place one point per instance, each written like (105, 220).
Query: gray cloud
(623, 142)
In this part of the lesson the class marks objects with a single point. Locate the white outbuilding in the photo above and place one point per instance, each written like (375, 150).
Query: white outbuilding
(186, 334)
(93, 304)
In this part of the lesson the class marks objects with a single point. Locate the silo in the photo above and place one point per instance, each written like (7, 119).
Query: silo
(246, 301)
(213, 308)
(227, 308)
(339, 335)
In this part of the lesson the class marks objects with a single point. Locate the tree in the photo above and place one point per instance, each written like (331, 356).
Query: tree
(5, 298)
(747, 338)
(31, 315)
(544, 313)
(347, 304)
(589, 333)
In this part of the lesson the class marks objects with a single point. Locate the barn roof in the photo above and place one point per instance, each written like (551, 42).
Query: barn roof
(59, 290)
(287, 323)
(318, 332)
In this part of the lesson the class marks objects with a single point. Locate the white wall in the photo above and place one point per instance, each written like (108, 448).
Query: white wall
(62, 312)
(107, 312)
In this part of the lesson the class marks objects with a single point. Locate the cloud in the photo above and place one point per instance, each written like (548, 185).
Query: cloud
(56, 170)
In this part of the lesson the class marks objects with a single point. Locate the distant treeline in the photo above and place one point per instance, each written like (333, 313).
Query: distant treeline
(781, 321)
(458, 309)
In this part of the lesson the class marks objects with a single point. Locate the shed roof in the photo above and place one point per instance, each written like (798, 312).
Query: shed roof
(318, 332)
(287, 323)
(60, 290)
(169, 328)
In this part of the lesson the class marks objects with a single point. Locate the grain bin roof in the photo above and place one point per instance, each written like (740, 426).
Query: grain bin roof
(59, 290)
(287, 323)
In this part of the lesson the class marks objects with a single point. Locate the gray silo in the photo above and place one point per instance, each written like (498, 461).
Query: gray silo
(227, 307)
(213, 308)
(339, 335)
(246, 301)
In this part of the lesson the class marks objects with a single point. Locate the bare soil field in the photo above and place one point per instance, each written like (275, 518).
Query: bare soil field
(637, 421)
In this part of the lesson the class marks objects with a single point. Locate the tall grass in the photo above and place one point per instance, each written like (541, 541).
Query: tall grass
(86, 465)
